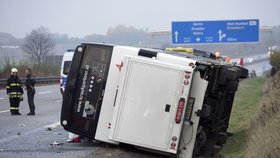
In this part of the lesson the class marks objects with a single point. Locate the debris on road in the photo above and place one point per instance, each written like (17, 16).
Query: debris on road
(56, 143)
(49, 129)
(18, 133)
(22, 125)
(74, 140)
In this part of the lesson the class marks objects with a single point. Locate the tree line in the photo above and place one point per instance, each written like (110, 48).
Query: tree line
(43, 41)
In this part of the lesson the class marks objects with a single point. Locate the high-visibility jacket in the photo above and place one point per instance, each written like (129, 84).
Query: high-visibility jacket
(14, 89)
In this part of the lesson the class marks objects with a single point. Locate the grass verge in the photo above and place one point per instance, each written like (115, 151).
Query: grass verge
(264, 135)
(244, 109)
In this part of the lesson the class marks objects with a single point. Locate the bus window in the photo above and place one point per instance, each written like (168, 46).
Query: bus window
(66, 67)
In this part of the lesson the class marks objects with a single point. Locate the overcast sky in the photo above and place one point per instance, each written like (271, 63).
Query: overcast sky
(78, 18)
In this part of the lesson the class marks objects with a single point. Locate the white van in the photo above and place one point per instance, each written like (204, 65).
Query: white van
(65, 66)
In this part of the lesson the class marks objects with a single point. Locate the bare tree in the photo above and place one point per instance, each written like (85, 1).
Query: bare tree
(38, 43)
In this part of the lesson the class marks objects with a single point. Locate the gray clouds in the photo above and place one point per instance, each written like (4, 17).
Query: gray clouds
(83, 17)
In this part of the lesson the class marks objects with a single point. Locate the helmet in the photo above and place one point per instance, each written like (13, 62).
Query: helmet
(14, 70)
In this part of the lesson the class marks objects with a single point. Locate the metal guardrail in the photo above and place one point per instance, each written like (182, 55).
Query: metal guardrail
(39, 80)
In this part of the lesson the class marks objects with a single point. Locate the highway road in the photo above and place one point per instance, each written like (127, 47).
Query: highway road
(259, 67)
(27, 136)
(257, 62)
(260, 63)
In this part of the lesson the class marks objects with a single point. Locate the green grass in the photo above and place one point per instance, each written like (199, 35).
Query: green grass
(245, 106)
(264, 135)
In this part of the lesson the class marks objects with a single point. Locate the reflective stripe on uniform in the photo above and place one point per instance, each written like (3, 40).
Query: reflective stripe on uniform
(15, 84)
(16, 93)
(15, 96)
(7, 86)
(13, 108)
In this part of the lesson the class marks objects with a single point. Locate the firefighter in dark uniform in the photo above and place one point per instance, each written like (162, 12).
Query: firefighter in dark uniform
(14, 91)
(30, 83)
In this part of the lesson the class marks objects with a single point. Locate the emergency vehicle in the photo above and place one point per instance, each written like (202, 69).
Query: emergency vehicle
(193, 51)
(238, 61)
(167, 102)
(216, 55)
(65, 66)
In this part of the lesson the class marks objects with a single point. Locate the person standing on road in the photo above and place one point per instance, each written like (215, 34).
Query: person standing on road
(29, 84)
(14, 91)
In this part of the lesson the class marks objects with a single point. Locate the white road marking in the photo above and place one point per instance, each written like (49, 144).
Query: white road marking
(4, 111)
(53, 125)
(60, 100)
(46, 92)
(46, 86)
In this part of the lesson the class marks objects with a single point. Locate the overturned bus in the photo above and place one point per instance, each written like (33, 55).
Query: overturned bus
(166, 102)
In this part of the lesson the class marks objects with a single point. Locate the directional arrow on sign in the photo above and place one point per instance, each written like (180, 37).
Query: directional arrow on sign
(221, 35)
(176, 36)
(219, 31)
